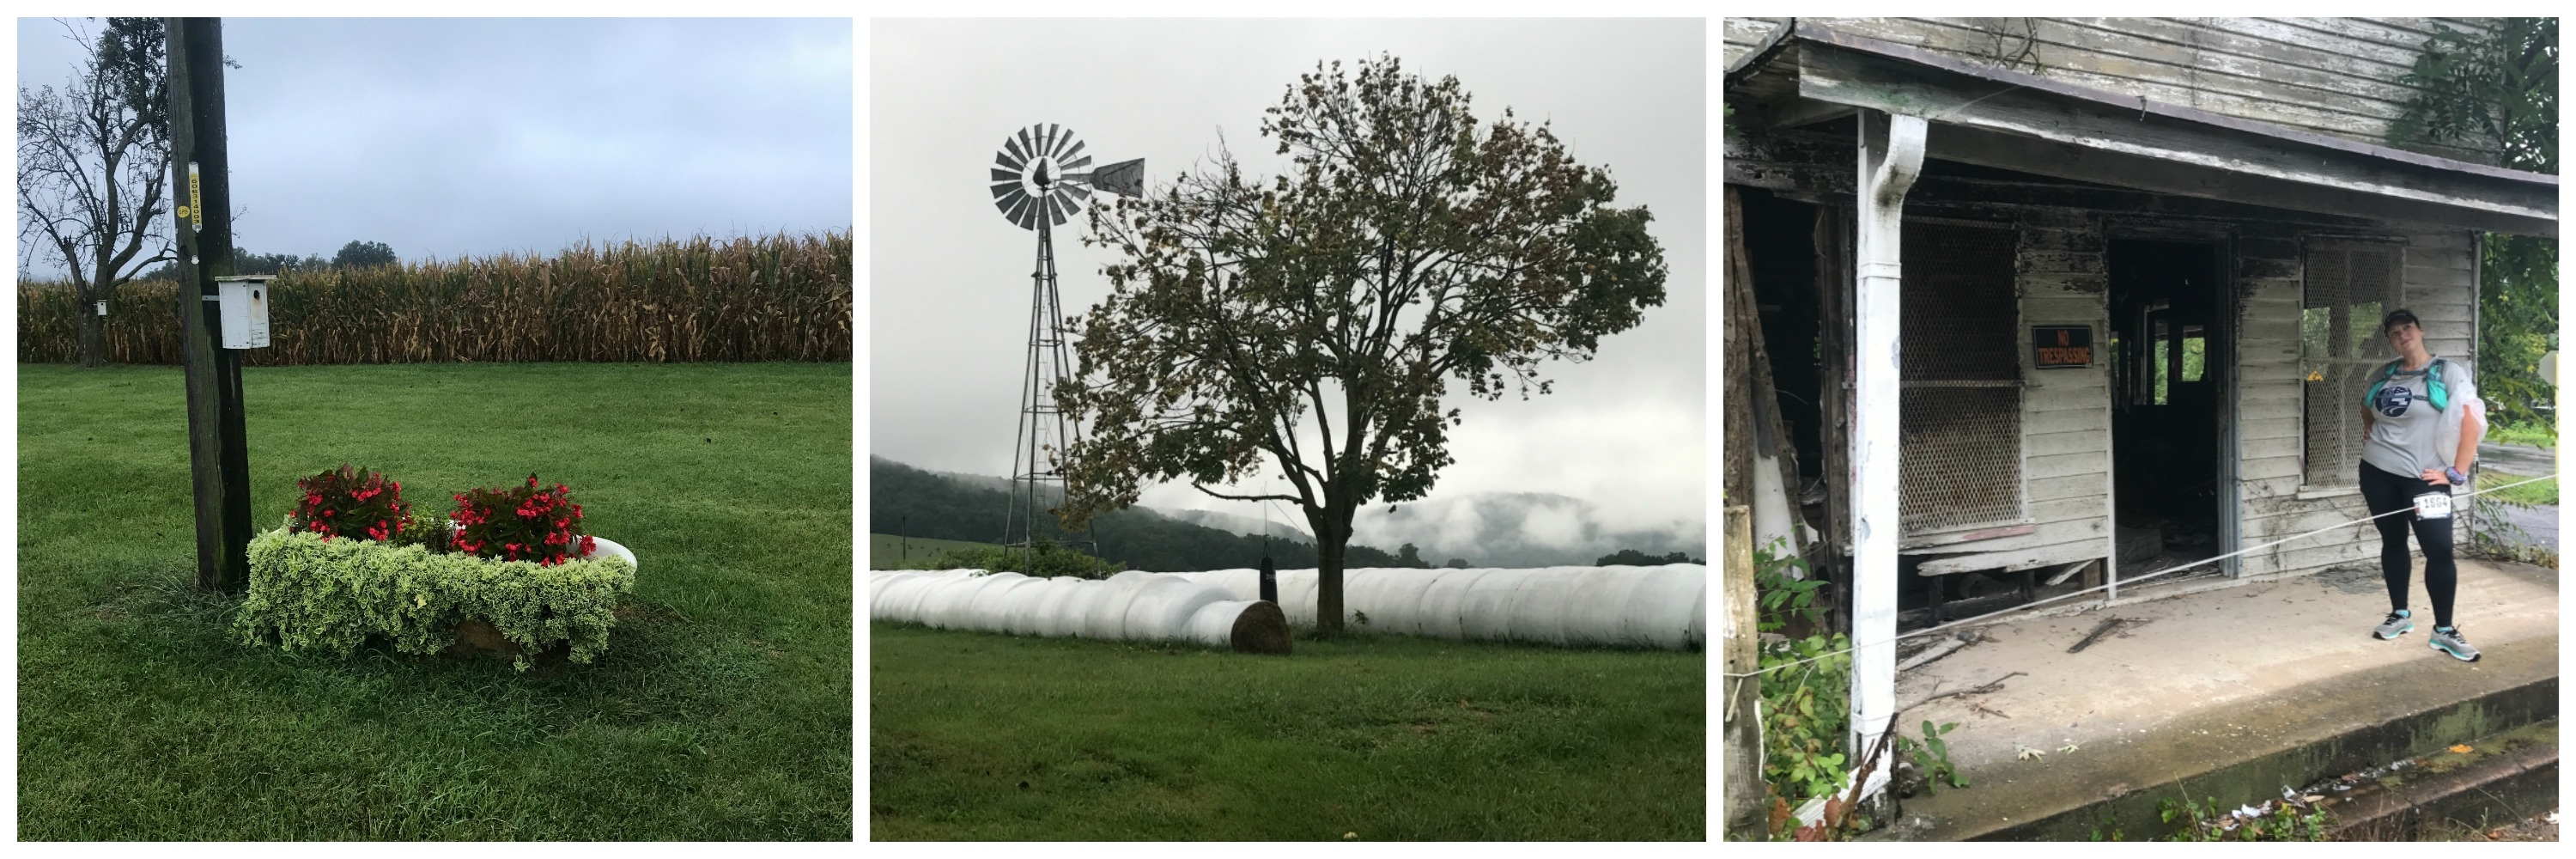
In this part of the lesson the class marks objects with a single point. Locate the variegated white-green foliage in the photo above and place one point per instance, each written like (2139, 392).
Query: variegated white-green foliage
(306, 593)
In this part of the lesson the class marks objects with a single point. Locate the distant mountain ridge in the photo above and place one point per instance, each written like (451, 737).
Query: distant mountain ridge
(1240, 524)
(907, 500)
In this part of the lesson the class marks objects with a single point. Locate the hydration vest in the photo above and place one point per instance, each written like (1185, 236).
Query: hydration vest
(2433, 389)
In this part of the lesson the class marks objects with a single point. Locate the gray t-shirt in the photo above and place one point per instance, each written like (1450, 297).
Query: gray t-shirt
(2404, 426)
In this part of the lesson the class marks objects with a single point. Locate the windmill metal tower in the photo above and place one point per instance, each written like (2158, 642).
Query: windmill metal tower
(1040, 178)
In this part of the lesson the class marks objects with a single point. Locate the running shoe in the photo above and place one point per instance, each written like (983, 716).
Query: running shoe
(2448, 640)
(2397, 624)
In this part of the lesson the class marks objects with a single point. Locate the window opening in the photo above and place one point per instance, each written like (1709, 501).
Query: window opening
(1960, 393)
(2164, 361)
(2346, 288)
(2195, 353)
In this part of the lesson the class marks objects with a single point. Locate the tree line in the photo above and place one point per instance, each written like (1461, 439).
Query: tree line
(355, 254)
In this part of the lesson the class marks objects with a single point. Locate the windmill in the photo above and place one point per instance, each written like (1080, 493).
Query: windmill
(1040, 178)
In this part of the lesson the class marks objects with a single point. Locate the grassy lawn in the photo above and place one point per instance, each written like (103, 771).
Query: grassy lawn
(721, 710)
(981, 736)
(887, 552)
(2543, 492)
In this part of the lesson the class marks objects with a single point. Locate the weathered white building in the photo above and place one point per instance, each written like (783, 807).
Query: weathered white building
(2028, 287)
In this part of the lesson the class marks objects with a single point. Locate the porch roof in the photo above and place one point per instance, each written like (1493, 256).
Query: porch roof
(1996, 117)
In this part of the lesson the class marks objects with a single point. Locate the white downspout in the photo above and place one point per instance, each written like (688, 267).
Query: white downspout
(1891, 156)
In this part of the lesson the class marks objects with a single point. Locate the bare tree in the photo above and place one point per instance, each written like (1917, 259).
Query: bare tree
(93, 164)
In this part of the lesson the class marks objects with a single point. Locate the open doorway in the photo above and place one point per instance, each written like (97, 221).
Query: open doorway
(2170, 393)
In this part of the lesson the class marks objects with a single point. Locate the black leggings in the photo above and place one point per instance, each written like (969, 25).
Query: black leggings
(2386, 493)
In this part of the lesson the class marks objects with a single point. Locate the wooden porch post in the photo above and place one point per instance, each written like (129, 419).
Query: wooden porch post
(1891, 156)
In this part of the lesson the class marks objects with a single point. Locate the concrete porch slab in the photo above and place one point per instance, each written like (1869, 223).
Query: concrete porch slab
(2246, 684)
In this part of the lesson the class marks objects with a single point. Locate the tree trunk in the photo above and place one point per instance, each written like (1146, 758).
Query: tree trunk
(1332, 538)
(93, 331)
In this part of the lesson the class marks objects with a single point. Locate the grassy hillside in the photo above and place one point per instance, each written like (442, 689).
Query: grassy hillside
(886, 551)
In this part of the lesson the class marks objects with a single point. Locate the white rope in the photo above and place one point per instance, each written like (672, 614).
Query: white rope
(2131, 581)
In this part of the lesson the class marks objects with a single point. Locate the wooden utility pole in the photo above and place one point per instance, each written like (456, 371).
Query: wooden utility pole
(218, 457)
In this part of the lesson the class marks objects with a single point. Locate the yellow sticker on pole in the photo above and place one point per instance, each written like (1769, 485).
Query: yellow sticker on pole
(195, 211)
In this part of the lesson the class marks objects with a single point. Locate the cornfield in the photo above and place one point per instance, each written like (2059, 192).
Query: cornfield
(777, 298)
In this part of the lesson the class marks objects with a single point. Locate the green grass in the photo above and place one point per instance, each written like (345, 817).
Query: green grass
(980, 736)
(2534, 434)
(2543, 492)
(722, 709)
(886, 551)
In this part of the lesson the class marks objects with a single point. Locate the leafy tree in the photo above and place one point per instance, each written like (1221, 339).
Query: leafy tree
(364, 255)
(93, 160)
(1409, 555)
(2499, 91)
(1308, 325)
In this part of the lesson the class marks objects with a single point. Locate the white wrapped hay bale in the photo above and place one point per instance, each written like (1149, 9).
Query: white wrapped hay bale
(1130, 606)
(1661, 606)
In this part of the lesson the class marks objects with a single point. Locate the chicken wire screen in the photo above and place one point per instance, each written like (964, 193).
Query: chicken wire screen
(1957, 309)
(1962, 456)
(2348, 288)
(1960, 419)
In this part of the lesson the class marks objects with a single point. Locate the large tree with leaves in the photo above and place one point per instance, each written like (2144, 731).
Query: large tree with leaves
(93, 162)
(2497, 91)
(1307, 326)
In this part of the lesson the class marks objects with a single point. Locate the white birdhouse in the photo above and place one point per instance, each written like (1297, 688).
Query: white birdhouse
(242, 310)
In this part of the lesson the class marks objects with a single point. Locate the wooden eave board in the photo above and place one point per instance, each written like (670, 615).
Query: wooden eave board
(2000, 118)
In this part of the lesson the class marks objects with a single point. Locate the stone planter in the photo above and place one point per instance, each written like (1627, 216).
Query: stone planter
(308, 593)
(476, 635)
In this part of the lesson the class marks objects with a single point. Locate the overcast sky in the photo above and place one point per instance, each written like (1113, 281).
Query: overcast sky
(458, 137)
(948, 277)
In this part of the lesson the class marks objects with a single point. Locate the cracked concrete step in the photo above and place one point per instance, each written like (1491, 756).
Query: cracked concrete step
(2231, 694)
(2503, 777)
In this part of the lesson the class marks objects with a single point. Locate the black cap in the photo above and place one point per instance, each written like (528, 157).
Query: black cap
(2396, 316)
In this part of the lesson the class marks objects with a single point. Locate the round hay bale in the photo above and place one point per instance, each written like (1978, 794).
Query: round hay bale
(1261, 628)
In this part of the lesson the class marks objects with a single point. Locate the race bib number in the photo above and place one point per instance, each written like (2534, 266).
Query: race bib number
(2433, 505)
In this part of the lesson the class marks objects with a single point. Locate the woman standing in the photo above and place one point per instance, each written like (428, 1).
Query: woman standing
(2409, 463)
